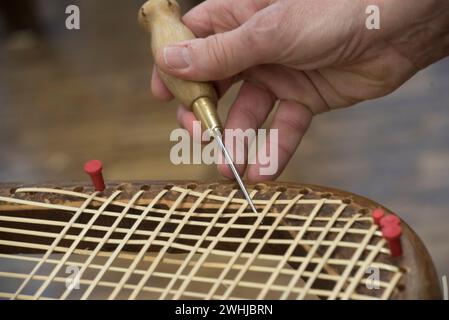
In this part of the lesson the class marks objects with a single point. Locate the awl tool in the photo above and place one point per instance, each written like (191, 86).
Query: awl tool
(162, 19)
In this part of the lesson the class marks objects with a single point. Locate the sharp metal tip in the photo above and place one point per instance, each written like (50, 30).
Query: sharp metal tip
(251, 204)
(217, 135)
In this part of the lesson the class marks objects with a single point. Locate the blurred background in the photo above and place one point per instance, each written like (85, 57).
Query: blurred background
(67, 96)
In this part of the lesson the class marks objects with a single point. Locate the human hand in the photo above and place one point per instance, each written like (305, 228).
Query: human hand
(312, 56)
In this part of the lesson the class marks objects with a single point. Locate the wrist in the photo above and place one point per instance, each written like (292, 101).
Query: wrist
(419, 30)
(427, 39)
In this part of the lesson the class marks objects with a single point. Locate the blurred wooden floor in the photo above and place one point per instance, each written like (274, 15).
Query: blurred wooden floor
(86, 95)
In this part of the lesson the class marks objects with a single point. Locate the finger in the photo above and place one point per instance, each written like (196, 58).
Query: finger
(161, 92)
(216, 16)
(249, 111)
(289, 84)
(186, 120)
(224, 54)
(158, 88)
(198, 19)
(291, 122)
(222, 86)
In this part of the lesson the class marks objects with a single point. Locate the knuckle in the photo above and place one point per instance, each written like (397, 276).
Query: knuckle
(295, 122)
(247, 111)
(286, 150)
(218, 54)
(265, 29)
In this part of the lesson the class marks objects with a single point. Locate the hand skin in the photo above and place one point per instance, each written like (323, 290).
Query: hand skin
(312, 56)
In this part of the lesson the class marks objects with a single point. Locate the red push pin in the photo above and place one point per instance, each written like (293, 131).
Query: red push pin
(377, 215)
(392, 233)
(390, 220)
(94, 168)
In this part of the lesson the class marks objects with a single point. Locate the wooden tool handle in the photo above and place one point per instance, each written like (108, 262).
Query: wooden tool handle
(162, 19)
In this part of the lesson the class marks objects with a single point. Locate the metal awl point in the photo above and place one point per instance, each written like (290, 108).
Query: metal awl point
(218, 137)
(163, 20)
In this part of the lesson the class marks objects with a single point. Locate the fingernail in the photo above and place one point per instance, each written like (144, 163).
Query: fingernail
(177, 57)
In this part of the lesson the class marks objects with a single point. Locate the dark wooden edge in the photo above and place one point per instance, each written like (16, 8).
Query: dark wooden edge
(420, 279)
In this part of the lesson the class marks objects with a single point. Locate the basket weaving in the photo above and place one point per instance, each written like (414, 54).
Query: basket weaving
(189, 240)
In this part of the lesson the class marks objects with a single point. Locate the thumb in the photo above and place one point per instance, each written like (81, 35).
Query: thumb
(213, 58)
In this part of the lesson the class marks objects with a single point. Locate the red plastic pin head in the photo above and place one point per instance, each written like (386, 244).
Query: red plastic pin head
(94, 169)
(377, 215)
(391, 219)
(392, 233)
